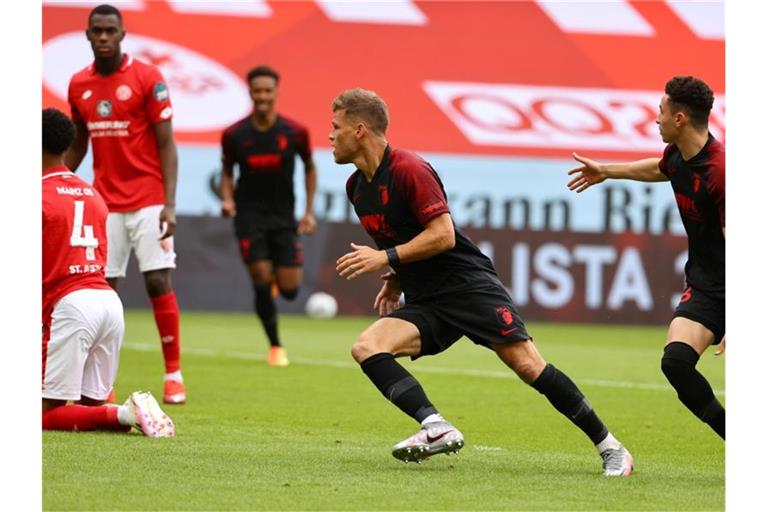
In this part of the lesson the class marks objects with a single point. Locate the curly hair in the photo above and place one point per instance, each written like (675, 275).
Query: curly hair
(58, 131)
(691, 95)
(262, 71)
(106, 10)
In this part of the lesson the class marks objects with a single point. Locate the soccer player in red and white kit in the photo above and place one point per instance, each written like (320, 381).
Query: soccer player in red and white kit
(123, 106)
(694, 163)
(82, 315)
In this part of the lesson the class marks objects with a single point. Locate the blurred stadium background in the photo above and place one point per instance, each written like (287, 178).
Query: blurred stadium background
(495, 94)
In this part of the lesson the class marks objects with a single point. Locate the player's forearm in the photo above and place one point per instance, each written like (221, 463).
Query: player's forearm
(438, 237)
(226, 186)
(310, 184)
(169, 164)
(639, 170)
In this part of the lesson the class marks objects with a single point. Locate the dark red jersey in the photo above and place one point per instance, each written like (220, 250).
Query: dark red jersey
(699, 187)
(74, 236)
(119, 111)
(265, 161)
(404, 196)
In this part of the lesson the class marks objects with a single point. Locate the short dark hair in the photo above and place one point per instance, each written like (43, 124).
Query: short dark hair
(363, 105)
(693, 96)
(262, 71)
(106, 10)
(58, 131)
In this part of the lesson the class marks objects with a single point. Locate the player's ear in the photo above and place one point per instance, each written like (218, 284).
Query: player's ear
(123, 36)
(360, 130)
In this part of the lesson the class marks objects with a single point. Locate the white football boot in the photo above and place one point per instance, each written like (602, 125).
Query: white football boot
(433, 438)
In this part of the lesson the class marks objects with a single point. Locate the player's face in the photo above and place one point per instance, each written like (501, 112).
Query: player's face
(105, 33)
(343, 139)
(263, 91)
(667, 121)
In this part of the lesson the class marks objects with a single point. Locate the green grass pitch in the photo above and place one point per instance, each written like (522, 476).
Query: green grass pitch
(317, 435)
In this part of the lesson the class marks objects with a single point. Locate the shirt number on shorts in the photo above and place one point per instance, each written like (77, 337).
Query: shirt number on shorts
(82, 236)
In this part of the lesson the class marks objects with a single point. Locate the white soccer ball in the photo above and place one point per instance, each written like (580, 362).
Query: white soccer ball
(321, 305)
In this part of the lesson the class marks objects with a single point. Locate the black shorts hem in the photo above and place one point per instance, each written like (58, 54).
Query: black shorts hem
(717, 331)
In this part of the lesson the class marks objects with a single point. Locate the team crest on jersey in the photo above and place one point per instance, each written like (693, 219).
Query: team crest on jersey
(282, 141)
(160, 91)
(104, 108)
(87, 94)
(123, 92)
(505, 315)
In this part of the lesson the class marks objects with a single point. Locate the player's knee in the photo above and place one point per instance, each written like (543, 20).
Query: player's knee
(528, 370)
(157, 282)
(363, 348)
(289, 294)
(678, 361)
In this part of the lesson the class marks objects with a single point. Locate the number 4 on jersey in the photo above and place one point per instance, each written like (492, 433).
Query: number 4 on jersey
(82, 236)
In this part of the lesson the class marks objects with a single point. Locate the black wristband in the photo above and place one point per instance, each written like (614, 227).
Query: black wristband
(392, 256)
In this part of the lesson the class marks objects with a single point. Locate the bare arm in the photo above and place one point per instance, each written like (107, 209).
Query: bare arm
(592, 172)
(307, 224)
(169, 164)
(438, 236)
(76, 152)
(227, 190)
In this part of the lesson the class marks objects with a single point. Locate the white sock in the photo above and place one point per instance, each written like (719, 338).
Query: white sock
(125, 416)
(432, 418)
(174, 376)
(609, 442)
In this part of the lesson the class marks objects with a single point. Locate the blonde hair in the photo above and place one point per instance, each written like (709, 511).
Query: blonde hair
(365, 106)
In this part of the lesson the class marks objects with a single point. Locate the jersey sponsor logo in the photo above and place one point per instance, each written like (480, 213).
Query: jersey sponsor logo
(108, 128)
(104, 108)
(197, 81)
(87, 94)
(160, 91)
(377, 226)
(504, 314)
(529, 116)
(383, 194)
(270, 162)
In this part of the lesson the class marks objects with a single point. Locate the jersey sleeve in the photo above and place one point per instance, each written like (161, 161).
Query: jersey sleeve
(157, 97)
(420, 186)
(303, 147)
(663, 162)
(228, 145)
(716, 189)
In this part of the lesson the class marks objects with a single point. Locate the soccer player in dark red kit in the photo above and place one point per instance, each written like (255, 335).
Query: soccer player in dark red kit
(123, 106)
(264, 146)
(82, 315)
(451, 289)
(694, 163)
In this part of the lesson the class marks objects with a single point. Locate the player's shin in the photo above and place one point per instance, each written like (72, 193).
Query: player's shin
(166, 311)
(398, 386)
(83, 418)
(266, 311)
(566, 397)
(693, 390)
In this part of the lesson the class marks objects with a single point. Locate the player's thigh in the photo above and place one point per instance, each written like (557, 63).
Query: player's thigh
(66, 351)
(699, 320)
(103, 358)
(118, 245)
(285, 248)
(152, 253)
(391, 335)
(691, 333)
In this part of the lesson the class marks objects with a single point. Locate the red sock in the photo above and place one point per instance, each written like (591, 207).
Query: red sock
(82, 418)
(167, 319)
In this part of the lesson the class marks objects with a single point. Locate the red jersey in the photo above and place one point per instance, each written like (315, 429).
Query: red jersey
(120, 110)
(74, 237)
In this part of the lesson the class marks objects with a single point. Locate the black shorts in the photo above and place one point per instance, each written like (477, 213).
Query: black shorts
(485, 315)
(282, 246)
(706, 309)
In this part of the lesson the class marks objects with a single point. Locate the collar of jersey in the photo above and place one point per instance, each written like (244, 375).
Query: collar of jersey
(124, 64)
(58, 170)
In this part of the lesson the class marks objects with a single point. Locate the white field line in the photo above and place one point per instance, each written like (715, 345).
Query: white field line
(494, 374)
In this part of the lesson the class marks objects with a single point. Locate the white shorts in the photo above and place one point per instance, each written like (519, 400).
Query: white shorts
(139, 230)
(83, 349)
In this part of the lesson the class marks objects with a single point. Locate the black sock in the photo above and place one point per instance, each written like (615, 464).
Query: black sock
(265, 308)
(398, 386)
(679, 366)
(566, 397)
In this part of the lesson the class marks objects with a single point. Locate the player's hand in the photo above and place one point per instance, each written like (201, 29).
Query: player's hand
(588, 174)
(307, 224)
(721, 347)
(361, 260)
(388, 298)
(167, 222)
(228, 208)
